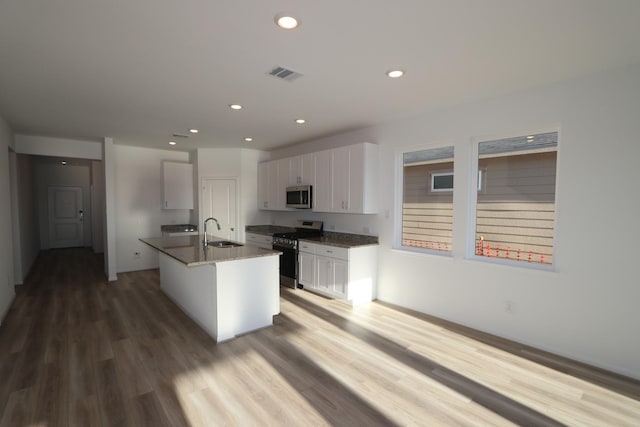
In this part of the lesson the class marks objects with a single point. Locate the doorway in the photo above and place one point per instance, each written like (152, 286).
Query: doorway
(66, 217)
(219, 200)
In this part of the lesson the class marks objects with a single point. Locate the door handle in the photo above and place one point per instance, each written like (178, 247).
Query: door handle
(81, 215)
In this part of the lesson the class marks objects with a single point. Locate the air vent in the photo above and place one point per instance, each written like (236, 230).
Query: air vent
(284, 73)
(180, 135)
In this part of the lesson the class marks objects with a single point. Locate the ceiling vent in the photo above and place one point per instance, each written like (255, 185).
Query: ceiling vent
(180, 135)
(284, 73)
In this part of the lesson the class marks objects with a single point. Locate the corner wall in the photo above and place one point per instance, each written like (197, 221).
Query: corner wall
(7, 280)
(138, 204)
(28, 229)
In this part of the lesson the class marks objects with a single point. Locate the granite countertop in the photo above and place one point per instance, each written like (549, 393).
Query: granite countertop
(342, 240)
(268, 230)
(190, 251)
(178, 228)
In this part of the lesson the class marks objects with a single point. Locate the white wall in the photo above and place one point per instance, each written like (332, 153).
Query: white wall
(26, 225)
(138, 201)
(109, 225)
(97, 205)
(587, 308)
(6, 242)
(58, 147)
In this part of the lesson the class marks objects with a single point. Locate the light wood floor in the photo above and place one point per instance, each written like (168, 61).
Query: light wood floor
(77, 351)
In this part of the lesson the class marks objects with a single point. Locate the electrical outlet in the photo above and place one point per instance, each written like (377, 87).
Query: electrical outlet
(508, 306)
(366, 230)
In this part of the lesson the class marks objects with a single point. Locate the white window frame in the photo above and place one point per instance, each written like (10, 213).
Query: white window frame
(398, 200)
(472, 201)
(440, 190)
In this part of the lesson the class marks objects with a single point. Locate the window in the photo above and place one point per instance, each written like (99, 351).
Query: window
(515, 207)
(442, 181)
(427, 199)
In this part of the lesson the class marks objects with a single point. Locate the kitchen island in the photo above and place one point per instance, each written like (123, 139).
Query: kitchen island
(227, 290)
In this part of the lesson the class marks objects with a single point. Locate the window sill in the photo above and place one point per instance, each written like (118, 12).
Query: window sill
(532, 266)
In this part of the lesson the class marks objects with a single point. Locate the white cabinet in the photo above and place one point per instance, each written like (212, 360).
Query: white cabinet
(269, 195)
(346, 179)
(343, 273)
(283, 183)
(307, 269)
(261, 240)
(301, 170)
(177, 185)
(323, 188)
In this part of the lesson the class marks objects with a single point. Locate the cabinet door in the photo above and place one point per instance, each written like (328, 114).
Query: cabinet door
(263, 185)
(340, 184)
(295, 170)
(322, 191)
(324, 274)
(307, 268)
(340, 277)
(268, 198)
(356, 178)
(301, 170)
(273, 203)
(282, 182)
(177, 185)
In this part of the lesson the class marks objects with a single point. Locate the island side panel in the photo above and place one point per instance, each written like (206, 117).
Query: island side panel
(193, 290)
(249, 295)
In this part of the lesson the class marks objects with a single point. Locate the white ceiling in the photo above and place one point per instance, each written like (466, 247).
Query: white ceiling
(141, 70)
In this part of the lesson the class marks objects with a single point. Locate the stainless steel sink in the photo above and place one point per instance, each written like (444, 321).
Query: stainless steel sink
(223, 244)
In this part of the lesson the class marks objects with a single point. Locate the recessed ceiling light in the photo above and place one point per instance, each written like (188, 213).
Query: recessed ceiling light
(172, 143)
(193, 130)
(235, 106)
(64, 162)
(301, 121)
(394, 74)
(248, 139)
(530, 137)
(286, 21)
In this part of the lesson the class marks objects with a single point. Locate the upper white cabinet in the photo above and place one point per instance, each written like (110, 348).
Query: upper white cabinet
(301, 170)
(343, 179)
(177, 185)
(276, 175)
(323, 190)
(269, 196)
(346, 179)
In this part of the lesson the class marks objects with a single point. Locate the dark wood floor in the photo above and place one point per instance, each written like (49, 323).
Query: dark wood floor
(77, 351)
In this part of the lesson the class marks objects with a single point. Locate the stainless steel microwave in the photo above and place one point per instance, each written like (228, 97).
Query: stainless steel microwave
(299, 197)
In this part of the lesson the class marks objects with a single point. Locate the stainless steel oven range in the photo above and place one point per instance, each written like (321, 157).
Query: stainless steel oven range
(287, 243)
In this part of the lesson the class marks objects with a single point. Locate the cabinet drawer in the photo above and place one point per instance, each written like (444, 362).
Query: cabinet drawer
(333, 252)
(309, 248)
(260, 240)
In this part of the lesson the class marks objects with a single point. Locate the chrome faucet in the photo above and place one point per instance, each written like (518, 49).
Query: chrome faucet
(205, 228)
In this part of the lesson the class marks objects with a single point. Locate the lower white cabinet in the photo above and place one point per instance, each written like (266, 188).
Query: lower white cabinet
(260, 240)
(343, 273)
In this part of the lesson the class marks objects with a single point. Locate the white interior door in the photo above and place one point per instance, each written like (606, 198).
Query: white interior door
(219, 201)
(66, 217)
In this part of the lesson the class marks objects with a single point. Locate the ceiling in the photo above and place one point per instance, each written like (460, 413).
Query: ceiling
(142, 70)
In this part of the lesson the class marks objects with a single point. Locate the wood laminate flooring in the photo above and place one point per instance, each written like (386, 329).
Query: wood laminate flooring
(78, 351)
